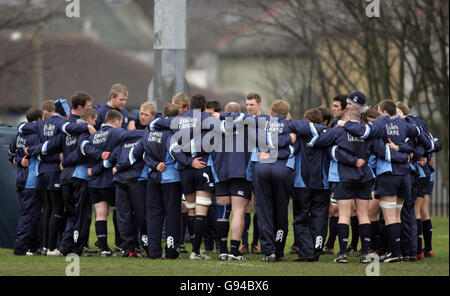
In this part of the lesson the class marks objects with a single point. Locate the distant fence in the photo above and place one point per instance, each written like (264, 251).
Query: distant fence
(439, 198)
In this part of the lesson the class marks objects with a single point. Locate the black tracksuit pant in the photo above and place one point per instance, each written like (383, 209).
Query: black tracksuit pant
(273, 185)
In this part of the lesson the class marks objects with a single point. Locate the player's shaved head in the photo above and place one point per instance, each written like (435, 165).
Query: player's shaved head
(354, 114)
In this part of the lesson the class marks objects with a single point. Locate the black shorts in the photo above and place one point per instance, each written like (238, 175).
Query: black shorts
(422, 186)
(429, 188)
(332, 186)
(234, 187)
(393, 185)
(351, 190)
(373, 187)
(49, 181)
(97, 195)
(196, 180)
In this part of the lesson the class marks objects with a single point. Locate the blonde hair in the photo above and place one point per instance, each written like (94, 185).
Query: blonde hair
(280, 107)
(180, 98)
(116, 89)
(149, 107)
(403, 108)
(48, 108)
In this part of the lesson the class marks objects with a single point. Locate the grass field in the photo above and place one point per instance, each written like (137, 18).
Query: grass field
(97, 266)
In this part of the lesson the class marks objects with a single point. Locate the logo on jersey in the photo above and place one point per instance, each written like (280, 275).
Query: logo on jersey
(274, 127)
(130, 145)
(70, 140)
(49, 129)
(155, 136)
(21, 142)
(100, 137)
(392, 129)
(187, 122)
(352, 138)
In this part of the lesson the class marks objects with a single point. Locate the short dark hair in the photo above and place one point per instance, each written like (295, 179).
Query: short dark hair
(198, 101)
(170, 109)
(314, 116)
(343, 99)
(215, 105)
(34, 114)
(326, 114)
(254, 96)
(113, 115)
(388, 106)
(80, 99)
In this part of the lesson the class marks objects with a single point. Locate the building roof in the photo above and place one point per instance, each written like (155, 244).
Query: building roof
(71, 64)
(75, 63)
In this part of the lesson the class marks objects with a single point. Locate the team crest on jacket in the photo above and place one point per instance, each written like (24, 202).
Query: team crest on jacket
(49, 129)
(352, 138)
(274, 127)
(20, 142)
(392, 129)
(70, 140)
(100, 137)
(155, 136)
(187, 122)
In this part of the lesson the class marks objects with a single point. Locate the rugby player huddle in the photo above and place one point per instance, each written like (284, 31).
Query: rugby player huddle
(166, 171)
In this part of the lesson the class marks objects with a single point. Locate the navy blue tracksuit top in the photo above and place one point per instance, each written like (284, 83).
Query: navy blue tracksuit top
(120, 159)
(394, 128)
(47, 129)
(190, 131)
(103, 109)
(233, 159)
(311, 165)
(356, 146)
(155, 148)
(26, 176)
(106, 139)
(277, 136)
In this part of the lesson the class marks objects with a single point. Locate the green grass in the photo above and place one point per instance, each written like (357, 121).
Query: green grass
(97, 266)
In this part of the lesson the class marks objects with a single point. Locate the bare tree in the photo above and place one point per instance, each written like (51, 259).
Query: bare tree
(403, 54)
(21, 24)
(24, 19)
